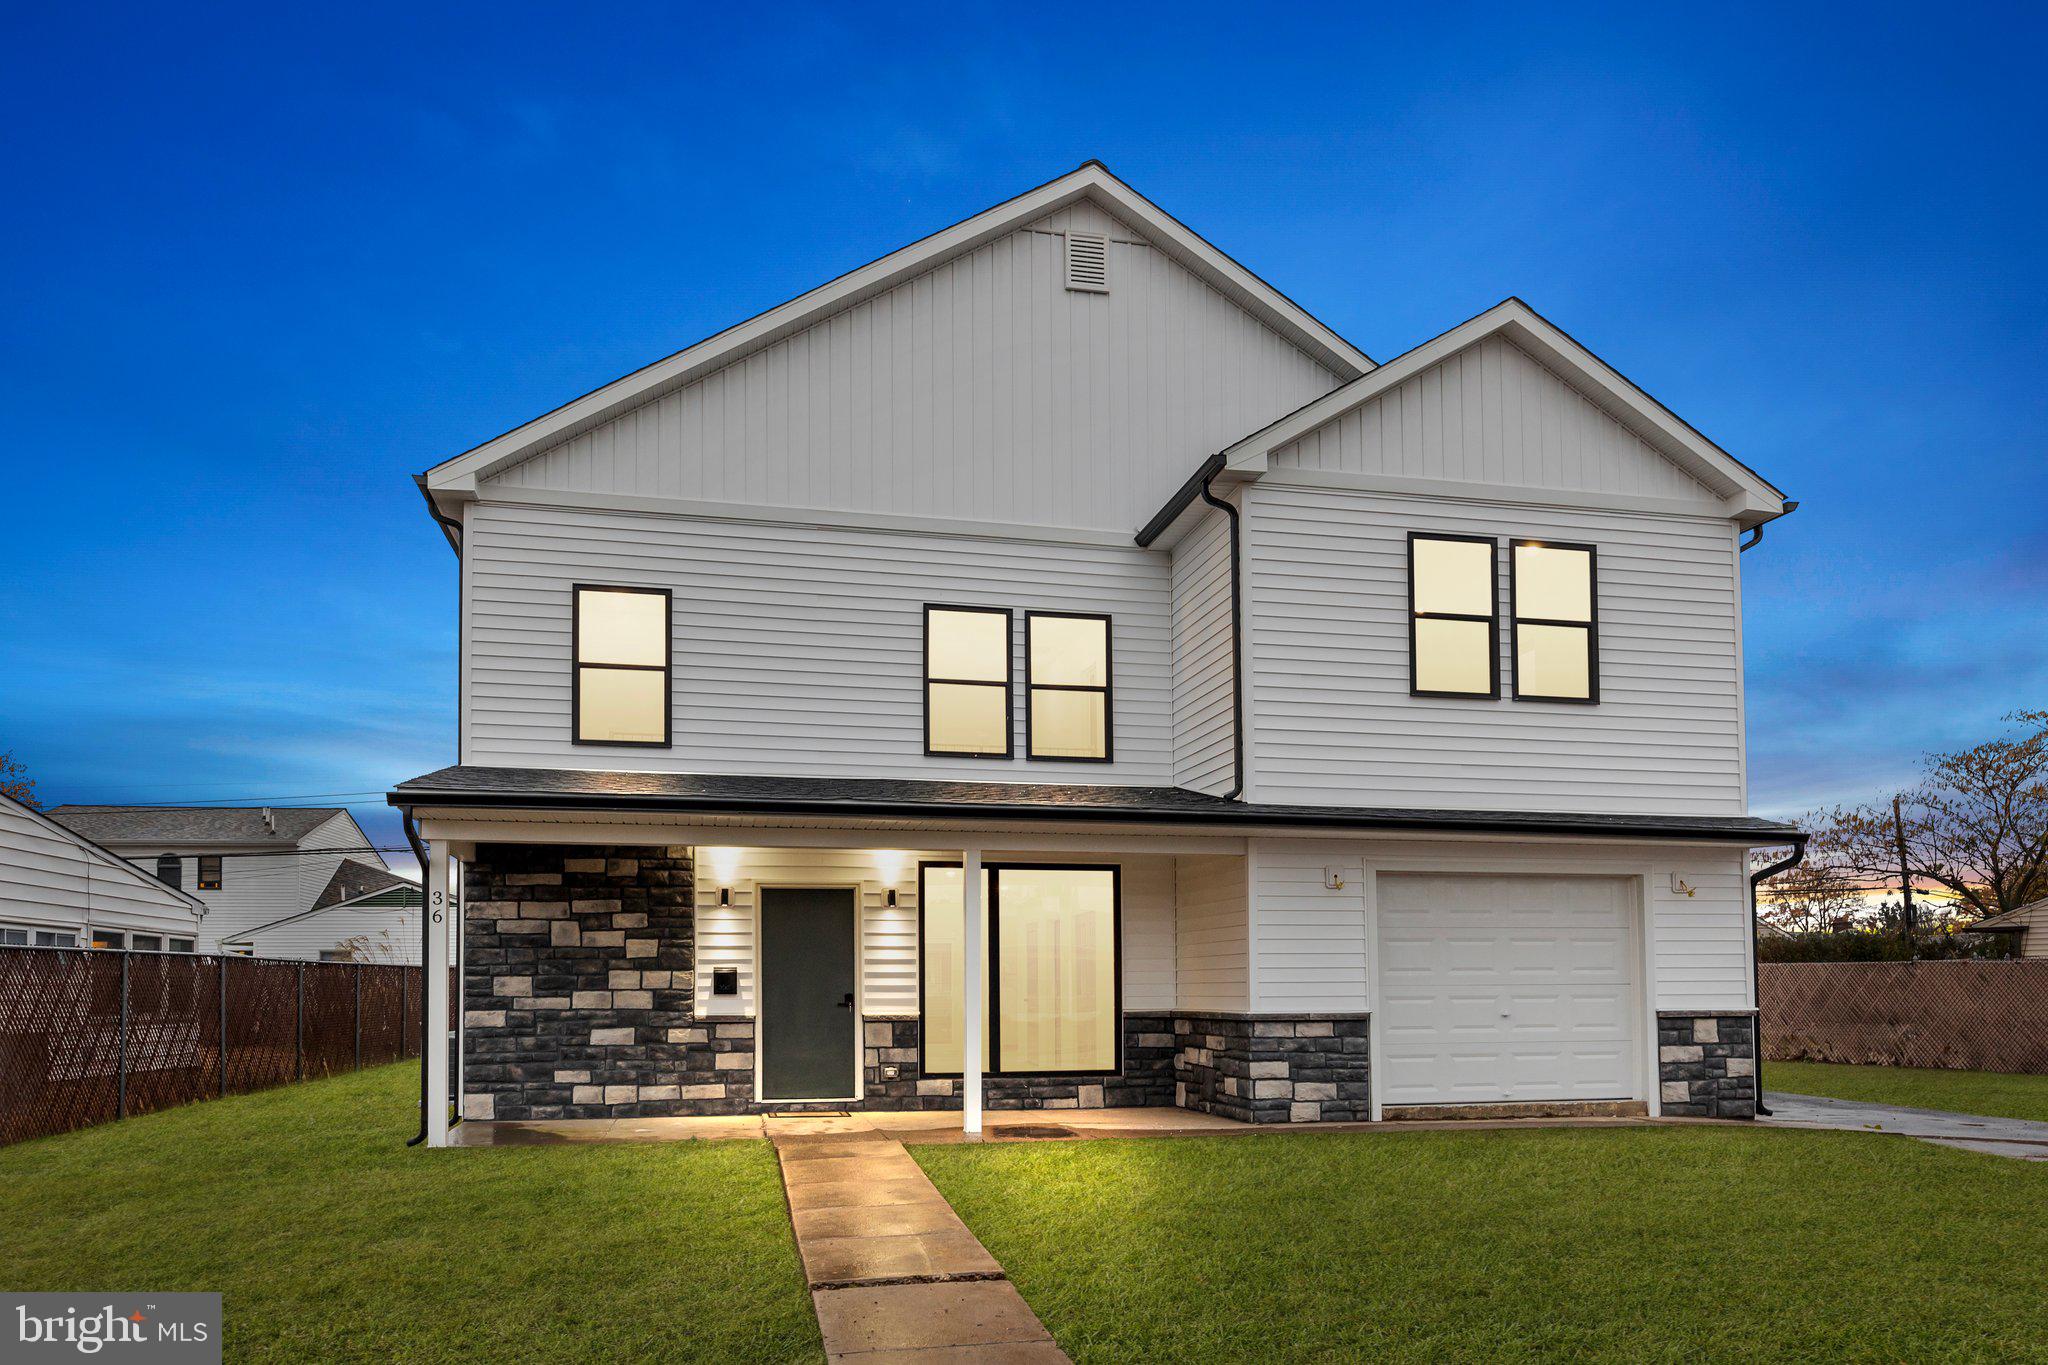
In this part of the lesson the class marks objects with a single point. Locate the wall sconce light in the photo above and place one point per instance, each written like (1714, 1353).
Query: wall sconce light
(892, 898)
(1680, 888)
(725, 895)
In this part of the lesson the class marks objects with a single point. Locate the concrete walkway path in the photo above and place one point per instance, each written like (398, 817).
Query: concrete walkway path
(895, 1276)
(2021, 1139)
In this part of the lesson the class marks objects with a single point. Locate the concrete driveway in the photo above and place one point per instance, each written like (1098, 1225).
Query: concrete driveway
(2021, 1139)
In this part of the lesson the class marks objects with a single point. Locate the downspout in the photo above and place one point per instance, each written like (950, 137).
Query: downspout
(1756, 971)
(1236, 635)
(419, 851)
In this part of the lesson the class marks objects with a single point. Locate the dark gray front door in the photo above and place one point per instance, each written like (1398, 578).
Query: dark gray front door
(807, 1005)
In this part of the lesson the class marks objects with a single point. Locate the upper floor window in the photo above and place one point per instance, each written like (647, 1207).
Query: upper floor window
(967, 681)
(622, 665)
(1067, 709)
(1553, 589)
(209, 872)
(1453, 619)
(170, 870)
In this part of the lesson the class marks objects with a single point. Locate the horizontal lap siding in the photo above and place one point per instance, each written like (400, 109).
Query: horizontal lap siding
(1327, 576)
(1211, 939)
(1310, 953)
(1202, 661)
(50, 881)
(798, 650)
(1491, 414)
(983, 389)
(370, 934)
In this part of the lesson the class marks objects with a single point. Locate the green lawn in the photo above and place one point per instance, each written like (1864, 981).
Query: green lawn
(1665, 1244)
(1991, 1093)
(330, 1240)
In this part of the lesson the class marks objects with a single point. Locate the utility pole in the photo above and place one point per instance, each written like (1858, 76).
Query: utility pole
(1905, 877)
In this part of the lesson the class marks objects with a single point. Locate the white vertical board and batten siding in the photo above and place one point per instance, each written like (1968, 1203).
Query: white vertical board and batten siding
(1327, 573)
(798, 649)
(1203, 751)
(981, 390)
(1490, 414)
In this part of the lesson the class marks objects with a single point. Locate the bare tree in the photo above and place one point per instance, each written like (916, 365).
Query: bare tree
(1820, 896)
(1975, 827)
(15, 782)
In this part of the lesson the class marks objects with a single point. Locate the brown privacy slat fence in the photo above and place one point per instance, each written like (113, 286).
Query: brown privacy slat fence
(89, 1035)
(1976, 1016)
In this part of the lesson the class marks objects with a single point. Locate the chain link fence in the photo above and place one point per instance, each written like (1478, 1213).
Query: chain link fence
(89, 1035)
(1973, 1016)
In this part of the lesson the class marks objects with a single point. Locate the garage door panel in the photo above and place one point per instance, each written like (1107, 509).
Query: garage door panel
(1507, 988)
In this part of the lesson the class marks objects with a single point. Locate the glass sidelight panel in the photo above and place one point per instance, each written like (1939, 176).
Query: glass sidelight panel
(1056, 969)
(944, 922)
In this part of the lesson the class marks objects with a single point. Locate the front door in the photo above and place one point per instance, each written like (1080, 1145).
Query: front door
(808, 1025)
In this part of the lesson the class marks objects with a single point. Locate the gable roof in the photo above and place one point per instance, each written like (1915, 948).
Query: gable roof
(2017, 920)
(194, 824)
(1745, 494)
(107, 857)
(457, 478)
(353, 881)
(404, 895)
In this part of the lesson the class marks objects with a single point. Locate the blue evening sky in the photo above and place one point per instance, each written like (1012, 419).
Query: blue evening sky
(262, 267)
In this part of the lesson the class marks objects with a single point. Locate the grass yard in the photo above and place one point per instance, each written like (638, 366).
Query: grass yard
(1665, 1244)
(1990, 1093)
(330, 1240)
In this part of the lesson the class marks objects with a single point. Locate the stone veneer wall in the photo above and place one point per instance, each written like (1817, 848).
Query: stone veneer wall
(579, 973)
(1309, 1068)
(1146, 1079)
(1706, 1065)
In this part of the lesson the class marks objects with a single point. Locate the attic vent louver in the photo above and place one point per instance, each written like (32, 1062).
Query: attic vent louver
(1088, 262)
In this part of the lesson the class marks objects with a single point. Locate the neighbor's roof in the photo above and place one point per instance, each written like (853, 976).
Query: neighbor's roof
(1090, 180)
(193, 824)
(857, 798)
(2017, 920)
(403, 895)
(106, 856)
(352, 881)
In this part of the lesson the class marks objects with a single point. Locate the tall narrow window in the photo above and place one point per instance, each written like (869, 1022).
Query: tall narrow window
(1050, 997)
(209, 872)
(1554, 589)
(967, 682)
(1067, 711)
(170, 870)
(1453, 621)
(621, 687)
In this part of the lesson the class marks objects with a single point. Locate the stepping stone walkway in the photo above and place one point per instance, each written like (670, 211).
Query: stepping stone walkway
(894, 1274)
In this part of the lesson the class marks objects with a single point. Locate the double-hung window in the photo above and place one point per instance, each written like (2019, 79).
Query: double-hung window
(1067, 709)
(170, 870)
(967, 681)
(208, 872)
(1050, 996)
(1453, 616)
(1553, 589)
(620, 687)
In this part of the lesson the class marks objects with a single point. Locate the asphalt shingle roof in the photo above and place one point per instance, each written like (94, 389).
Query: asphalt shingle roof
(192, 824)
(353, 879)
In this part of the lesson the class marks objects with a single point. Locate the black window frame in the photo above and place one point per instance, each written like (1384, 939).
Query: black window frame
(1008, 684)
(1108, 688)
(1591, 625)
(175, 865)
(666, 668)
(992, 947)
(1415, 689)
(201, 881)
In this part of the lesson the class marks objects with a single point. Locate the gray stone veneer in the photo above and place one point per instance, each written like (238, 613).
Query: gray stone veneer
(1706, 1065)
(1145, 1081)
(1306, 1068)
(579, 972)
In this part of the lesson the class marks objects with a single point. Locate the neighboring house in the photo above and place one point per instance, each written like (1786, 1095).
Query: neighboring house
(2029, 923)
(251, 865)
(59, 889)
(363, 914)
(1047, 667)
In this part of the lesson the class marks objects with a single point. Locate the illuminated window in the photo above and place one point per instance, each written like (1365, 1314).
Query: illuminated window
(1050, 1000)
(108, 938)
(1554, 592)
(967, 682)
(209, 872)
(621, 691)
(1453, 622)
(1067, 675)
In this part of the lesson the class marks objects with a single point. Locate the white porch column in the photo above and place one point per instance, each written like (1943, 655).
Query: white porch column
(971, 1059)
(434, 1043)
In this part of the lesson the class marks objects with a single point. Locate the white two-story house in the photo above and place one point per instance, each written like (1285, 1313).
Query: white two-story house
(1047, 667)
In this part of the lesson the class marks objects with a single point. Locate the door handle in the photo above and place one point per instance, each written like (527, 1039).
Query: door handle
(847, 1003)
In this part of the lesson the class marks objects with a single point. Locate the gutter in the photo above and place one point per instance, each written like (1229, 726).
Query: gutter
(1756, 534)
(450, 527)
(1756, 974)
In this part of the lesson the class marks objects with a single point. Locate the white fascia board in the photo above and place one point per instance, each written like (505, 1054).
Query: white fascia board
(1746, 494)
(455, 480)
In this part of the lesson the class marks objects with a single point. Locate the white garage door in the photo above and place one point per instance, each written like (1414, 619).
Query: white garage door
(1508, 988)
